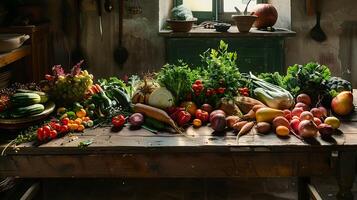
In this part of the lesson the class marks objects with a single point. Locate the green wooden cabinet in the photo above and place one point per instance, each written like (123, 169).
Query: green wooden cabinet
(256, 54)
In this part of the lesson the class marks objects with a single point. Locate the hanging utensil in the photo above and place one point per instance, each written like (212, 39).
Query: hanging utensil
(316, 32)
(135, 8)
(99, 10)
(121, 53)
(108, 5)
(77, 53)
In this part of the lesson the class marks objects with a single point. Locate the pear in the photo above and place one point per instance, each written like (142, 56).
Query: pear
(342, 104)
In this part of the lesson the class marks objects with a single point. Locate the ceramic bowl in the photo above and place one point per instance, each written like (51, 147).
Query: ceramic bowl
(9, 42)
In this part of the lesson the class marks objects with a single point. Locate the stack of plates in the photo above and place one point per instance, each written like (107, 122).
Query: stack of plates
(5, 78)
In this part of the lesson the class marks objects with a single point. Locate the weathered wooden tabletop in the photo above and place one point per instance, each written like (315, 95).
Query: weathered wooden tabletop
(197, 153)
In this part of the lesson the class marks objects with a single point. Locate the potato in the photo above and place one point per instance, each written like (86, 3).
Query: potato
(263, 127)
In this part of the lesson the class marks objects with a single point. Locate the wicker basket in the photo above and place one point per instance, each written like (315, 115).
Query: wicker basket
(181, 25)
(244, 22)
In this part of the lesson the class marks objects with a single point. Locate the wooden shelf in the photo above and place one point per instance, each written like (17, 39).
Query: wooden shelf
(232, 32)
(17, 54)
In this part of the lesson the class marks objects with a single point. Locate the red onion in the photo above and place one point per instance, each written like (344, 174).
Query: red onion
(307, 129)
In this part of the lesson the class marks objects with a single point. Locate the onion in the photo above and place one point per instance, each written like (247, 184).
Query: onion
(307, 129)
(267, 15)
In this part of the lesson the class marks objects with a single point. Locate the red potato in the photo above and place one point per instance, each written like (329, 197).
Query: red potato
(323, 110)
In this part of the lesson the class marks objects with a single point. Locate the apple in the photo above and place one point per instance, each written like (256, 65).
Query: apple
(342, 104)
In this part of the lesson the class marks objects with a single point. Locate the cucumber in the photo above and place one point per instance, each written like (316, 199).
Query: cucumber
(27, 110)
(43, 95)
(25, 99)
(154, 124)
(121, 97)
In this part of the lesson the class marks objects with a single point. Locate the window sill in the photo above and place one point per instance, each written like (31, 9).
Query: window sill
(232, 32)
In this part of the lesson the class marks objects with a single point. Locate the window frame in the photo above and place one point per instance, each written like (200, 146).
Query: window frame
(217, 13)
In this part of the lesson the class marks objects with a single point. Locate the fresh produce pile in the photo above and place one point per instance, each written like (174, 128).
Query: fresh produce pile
(303, 102)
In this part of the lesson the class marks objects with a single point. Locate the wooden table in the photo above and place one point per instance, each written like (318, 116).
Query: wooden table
(197, 153)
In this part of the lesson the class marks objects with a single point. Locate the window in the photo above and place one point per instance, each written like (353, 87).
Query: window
(216, 9)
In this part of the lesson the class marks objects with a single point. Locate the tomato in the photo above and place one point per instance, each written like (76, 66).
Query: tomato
(200, 87)
(65, 121)
(118, 121)
(56, 126)
(202, 115)
(64, 129)
(46, 131)
(195, 87)
(197, 123)
(198, 82)
(189, 106)
(53, 134)
(221, 90)
(40, 134)
(80, 128)
(81, 113)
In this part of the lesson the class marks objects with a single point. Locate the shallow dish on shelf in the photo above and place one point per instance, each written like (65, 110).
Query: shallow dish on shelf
(24, 122)
(9, 42)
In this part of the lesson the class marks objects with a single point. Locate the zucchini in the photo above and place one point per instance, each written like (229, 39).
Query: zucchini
(25, 99)
(43, 95)
(27, 110)
(121, 97)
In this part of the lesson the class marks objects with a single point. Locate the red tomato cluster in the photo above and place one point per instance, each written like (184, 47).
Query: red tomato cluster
(51, 131)
(198, 87)
(244, 91)
(211, 92)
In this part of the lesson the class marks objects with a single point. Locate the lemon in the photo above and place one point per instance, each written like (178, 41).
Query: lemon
(333, 121)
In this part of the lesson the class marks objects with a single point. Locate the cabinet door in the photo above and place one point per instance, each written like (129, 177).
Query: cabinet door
(254, 54)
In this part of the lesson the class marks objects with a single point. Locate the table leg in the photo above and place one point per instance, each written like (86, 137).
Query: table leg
(303, 193)
(346, 175)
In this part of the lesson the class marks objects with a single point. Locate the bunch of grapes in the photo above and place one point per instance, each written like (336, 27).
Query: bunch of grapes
(65, 89)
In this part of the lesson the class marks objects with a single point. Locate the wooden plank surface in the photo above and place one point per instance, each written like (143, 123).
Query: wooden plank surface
(10, 57)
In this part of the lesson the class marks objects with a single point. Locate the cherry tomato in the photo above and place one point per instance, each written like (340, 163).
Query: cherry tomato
(65, 121)
(118, 121)
(40, 134)
(64, 129)
(198, 82)
(197, 123)
(46, 131)
(221, 90)
(53, 134)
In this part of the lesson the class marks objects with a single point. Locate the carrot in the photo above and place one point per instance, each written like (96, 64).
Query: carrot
(238, 126)
(157, 114)
(245, 129)
(99, 89)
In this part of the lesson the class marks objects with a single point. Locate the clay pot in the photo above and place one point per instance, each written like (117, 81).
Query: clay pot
(181, 25)
(244, 22)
